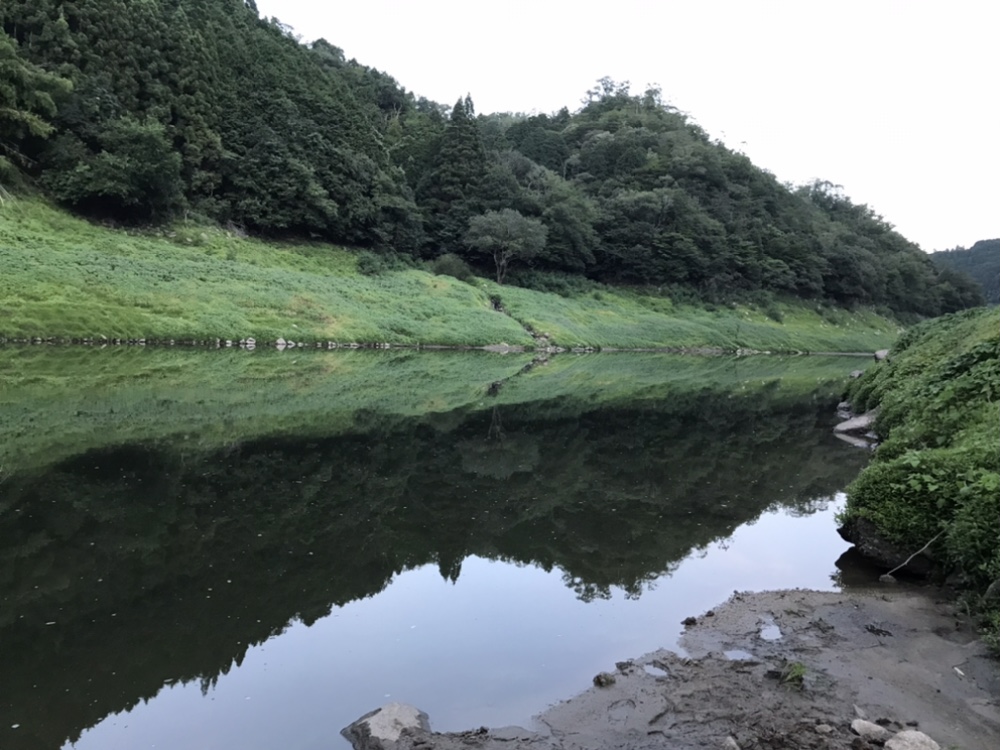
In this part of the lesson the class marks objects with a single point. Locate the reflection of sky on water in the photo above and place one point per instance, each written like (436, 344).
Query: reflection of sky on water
(493, 649)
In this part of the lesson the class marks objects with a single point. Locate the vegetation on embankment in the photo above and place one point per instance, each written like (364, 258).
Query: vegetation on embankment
(68, 279)
(936, 476)
(154, 111)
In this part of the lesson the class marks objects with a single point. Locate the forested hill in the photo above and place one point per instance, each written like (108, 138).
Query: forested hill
(157, 110)
(981, 262)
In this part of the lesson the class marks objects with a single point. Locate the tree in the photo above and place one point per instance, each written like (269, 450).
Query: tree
(450, 191)
(506, 235)
(27, 103)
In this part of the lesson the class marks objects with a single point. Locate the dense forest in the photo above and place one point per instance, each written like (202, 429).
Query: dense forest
(200, 110)
(981, 262)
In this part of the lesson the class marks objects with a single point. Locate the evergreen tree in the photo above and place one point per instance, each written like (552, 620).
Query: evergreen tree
(449, 193)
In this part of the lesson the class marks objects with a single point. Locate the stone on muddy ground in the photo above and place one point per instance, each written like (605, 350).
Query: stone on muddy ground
(911, 739)
(382, 728)
(870, 731)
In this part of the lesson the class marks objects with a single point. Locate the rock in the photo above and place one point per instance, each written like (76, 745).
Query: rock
(824, 729)
(860, 424)
(604, 679)
(992, 591)
(730, 743)
(870, 731)
(860, 712)
(863, 534)
(911, 739)
(881, 354)
(689, 621)
(855, 374)
(381, 729)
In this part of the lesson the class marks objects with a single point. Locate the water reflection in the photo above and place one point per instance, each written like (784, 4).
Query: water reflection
(131, 568)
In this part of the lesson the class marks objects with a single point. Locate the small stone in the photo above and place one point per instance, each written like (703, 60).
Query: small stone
(824, 729)
(911, 739)
(689, 621)
(730, 743)
(870, 731)
(855, 374)
(604, 679)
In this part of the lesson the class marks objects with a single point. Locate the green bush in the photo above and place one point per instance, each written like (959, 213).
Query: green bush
(937, 472)
(450, 264)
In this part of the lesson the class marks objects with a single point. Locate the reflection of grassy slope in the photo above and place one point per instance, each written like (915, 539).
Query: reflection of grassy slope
(55, 403)
(63, 277)
(282, 529)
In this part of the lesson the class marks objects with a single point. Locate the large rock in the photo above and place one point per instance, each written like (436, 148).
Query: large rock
(911, 740)
(864, 535)
(881, 354)
(870, 731)
(382, 728)
(859, 424)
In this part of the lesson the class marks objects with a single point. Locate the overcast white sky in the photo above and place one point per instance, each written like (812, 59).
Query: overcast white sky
(898, 101)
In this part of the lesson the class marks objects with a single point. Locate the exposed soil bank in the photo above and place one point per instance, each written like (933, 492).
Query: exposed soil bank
(785, 669)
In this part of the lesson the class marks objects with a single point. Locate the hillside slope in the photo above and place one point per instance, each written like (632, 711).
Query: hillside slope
(166, 109)
(981, 263)
(67, 279)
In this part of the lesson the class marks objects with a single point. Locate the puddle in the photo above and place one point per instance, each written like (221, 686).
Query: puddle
(655, 671)
(769, 631)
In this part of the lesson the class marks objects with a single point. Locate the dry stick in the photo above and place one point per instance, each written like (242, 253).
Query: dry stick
(903, 565)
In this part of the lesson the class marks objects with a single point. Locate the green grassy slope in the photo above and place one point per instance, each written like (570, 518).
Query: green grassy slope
(65, 278)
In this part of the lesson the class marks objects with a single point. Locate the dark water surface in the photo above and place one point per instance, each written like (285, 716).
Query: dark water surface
(254, 585)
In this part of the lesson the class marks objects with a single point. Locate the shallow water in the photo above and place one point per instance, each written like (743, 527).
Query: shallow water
(183, 589)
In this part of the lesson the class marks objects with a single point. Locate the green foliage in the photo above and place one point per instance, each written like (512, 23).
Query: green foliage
(136, 174)
(450, 264)
(506, 236)
(28, 97)
(938, 469)
(980, 263)
(202, 105)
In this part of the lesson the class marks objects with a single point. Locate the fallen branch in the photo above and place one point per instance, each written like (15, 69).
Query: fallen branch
(888, 576)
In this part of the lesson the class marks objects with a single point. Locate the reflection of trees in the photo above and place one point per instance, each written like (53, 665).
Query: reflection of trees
(201, 558)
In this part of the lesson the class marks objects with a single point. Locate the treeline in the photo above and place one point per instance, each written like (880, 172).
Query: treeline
(150, 111)
(981, 263)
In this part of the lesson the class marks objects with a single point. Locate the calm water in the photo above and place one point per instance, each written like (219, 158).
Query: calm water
(260, 586)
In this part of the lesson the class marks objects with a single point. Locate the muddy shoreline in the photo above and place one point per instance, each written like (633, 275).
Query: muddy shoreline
(784, 669)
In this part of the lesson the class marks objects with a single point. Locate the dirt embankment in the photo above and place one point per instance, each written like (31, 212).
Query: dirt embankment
(786, 669)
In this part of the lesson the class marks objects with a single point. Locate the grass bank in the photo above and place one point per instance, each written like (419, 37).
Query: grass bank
(936, 476)
(67, 279)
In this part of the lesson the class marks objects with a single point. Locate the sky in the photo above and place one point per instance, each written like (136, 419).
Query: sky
(898, 101)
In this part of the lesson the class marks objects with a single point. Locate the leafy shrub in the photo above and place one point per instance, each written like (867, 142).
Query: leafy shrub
(374, 264)
(450, 264)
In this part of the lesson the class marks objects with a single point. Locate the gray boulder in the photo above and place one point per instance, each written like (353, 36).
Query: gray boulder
(382, 728)
(911, 739)
(859, 424)
(870, 731)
